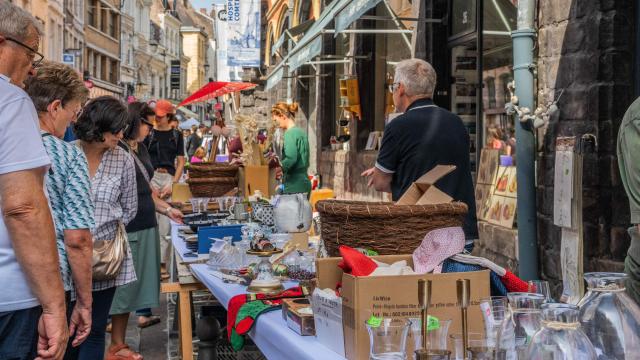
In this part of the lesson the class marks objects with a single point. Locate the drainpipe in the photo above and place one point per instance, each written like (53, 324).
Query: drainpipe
(523, 45)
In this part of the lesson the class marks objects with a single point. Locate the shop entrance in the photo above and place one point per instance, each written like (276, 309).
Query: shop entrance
(475, 71)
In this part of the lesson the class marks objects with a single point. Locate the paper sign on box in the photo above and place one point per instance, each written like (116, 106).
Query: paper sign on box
(327, 315)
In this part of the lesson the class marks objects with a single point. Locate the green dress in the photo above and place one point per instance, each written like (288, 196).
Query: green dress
(295, 162)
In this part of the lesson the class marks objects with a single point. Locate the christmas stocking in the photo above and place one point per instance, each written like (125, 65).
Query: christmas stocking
(244, 309)
(355, 263)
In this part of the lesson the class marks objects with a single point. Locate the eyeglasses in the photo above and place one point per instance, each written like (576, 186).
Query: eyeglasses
(393, 87)
(37, 57)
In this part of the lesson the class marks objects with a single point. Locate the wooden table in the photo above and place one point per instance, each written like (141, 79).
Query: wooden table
(183, 285)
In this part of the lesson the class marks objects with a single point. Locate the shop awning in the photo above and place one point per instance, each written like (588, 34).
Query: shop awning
(352, 12)
(215, 89)
(291, 33)
(275, 76)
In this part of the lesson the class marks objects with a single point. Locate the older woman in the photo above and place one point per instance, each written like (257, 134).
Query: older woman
(113, 185)
(143, 236)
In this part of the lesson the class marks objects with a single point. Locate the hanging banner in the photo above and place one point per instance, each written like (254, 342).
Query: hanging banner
(243, 19)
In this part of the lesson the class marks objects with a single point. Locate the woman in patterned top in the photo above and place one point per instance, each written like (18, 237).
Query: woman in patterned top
(113, 185)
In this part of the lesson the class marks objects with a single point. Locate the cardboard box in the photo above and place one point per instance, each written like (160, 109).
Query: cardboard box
(423, 191)
(397, 297)
(180, 193)
(301, 323)
(298, 240)
(256, 177)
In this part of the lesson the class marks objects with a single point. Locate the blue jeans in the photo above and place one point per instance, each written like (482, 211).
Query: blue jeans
(19, 334)
(93, 347)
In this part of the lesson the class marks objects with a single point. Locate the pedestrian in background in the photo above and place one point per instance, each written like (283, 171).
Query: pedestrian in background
(58, 94)
(113, 185)
(142, 232)
(33, 318)
(166, 149)
(294, 163)
(629, 165)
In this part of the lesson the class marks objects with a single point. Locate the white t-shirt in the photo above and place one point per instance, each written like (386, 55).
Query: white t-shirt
(20, 149)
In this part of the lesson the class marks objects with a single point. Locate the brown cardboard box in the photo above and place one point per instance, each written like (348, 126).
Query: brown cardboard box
(256, 177)
(423, 191)
(298, 240)
(180, 192)
(299, 322)
(397, 297)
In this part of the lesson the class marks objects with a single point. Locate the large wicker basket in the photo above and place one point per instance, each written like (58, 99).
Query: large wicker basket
(212, 170)
(384, 227)
(211, 187)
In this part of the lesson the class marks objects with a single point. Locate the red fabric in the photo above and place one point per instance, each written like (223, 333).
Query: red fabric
(237, 301)
(514, 283)
(355, 263)
(215, 89)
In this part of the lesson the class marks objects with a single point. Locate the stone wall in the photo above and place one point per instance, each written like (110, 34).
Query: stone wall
(341, 171)
(585, 48)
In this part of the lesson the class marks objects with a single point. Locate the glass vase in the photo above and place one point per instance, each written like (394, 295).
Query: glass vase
(388, 339)
(560, 337)
(525, 319)
(610, 318)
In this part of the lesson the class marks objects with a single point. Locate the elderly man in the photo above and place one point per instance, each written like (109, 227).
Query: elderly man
(421, 138)
(58, 94)
(33, 319)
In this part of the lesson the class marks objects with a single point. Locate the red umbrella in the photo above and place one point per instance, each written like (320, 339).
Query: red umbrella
(214, 89)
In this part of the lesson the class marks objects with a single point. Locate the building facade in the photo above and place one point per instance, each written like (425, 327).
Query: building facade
(102, 53)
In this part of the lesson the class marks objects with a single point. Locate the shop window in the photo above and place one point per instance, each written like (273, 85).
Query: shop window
(490, 86)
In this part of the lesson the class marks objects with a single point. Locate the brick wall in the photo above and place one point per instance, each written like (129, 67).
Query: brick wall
(585, 48)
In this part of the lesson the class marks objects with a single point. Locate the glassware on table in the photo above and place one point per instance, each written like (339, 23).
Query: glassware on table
(525, 320)
(560, 337)
(388, 340)
(495, 310)
(199, 204)
(475, 341)
(541, 287)
(609, 317)
(436, 338)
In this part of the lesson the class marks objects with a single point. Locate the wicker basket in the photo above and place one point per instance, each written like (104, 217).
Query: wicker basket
(384, 227)
(212, 170)
(211, 187)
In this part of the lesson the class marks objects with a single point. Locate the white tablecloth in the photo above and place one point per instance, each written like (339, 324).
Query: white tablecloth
(270, 333)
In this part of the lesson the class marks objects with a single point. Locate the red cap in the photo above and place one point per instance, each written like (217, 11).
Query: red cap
(164, 107)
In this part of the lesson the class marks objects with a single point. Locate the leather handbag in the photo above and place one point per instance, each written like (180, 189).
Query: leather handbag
(109, 255)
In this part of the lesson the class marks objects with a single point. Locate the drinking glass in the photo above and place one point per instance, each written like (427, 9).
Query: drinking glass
(388, 340)
(541, 287)
(436, 338)
(495, 310)
(526, 320)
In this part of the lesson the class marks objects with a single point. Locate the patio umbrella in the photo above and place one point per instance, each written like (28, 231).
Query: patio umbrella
(215, 89)
(187, 124)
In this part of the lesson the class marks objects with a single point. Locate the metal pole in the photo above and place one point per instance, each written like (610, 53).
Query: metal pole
(523, 45)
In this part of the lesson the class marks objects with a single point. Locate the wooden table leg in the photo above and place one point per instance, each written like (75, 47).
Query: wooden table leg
(186, 338)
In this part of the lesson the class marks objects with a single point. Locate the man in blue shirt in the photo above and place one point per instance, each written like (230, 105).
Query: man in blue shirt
(32, 301)
(423, 137)
(58, 93)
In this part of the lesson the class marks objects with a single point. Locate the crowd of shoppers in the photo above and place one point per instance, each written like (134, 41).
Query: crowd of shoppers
(79, 239)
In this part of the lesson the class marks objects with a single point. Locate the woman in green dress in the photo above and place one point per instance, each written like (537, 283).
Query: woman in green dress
(294, 162)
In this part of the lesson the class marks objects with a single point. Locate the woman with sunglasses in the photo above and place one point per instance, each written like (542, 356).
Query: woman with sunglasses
(99, 129)
(144, 239)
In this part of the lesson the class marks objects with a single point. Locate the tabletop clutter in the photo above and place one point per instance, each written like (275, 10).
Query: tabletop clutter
(394, 281)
